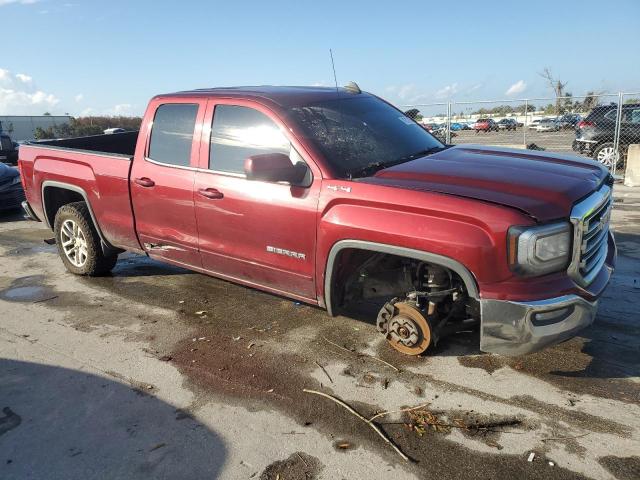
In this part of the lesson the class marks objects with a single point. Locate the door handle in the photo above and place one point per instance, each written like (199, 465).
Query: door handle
(144, 182)
(211, 193)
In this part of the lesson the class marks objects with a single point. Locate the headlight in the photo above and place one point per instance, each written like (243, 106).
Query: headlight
(539, 250)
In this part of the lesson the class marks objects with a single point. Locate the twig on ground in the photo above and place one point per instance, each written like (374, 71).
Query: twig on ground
(382, 414)
(565, 438)
(368, 422)
(361, 354)
(303, 460)
(325, 372)
(46, 299)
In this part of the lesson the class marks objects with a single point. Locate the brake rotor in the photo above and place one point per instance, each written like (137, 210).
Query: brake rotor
(408, 330)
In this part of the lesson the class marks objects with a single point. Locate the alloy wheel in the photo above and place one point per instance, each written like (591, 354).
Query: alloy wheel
(74, 243)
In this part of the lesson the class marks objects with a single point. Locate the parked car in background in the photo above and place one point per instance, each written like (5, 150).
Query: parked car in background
(568, 120)
(485, 125)
(548, 125)
(507, 124)
(11, 192)
(595, 134)
(533, 125)
(456, 127)
(441, 237)
(8, 150)
(111, 131)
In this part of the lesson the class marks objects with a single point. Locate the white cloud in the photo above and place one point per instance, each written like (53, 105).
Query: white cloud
(79, 97)
(518, 87)
(403, 92)
(447, 91)
(20, 2)
(24, 78)
(123, 109)
(19, 96)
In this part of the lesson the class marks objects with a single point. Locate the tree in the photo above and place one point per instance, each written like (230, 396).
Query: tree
(530, 108)
(557, 86)
(42, 134)
(46, 114)
(632, 100)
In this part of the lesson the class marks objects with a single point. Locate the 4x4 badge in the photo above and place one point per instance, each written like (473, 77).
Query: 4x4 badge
(335, 188)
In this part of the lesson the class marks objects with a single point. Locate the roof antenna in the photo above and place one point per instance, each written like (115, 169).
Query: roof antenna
(335, 79)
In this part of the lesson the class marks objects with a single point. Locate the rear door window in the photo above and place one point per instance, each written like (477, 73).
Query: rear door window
(172, 134)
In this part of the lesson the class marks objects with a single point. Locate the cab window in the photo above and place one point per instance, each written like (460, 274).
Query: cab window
(172, 134)
(239, 132)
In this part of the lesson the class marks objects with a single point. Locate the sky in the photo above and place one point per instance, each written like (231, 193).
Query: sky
(108, 58)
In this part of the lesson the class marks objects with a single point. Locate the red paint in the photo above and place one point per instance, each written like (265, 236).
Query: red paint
(458, 203)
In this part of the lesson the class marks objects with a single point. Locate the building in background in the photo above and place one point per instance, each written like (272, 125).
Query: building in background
(22, 127)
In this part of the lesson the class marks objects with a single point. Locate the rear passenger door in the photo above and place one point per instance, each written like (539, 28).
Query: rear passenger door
(259, 233)
(162, 182)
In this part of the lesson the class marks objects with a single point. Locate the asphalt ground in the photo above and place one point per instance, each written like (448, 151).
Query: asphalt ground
(559, 141)
(157, 372)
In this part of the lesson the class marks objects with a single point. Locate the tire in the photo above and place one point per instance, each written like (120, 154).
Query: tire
(604, 154)
(84, 255)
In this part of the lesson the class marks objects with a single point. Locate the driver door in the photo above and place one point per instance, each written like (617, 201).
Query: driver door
(259, 233)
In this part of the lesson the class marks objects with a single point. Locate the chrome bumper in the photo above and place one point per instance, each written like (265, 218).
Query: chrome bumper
(516, 328)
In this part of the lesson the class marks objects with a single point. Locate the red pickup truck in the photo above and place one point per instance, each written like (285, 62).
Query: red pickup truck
(335, 198)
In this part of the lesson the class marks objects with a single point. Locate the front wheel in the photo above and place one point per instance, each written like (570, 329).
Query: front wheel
(79, 243)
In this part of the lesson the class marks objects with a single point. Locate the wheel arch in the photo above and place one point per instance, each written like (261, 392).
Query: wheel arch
(56, 194)
(447, 262)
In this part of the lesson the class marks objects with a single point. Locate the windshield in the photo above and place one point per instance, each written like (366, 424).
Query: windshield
(363, 131)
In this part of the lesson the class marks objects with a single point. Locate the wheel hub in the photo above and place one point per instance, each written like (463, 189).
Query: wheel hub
(405, 327)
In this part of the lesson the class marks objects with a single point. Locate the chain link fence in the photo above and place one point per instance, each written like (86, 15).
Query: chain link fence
(598, 126)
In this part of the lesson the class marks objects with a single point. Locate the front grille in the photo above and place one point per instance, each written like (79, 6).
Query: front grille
(590, 219)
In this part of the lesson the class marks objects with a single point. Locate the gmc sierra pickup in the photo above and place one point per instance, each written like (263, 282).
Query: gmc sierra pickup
(334, 197)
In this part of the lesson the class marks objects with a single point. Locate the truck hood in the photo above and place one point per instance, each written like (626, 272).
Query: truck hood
(543, 185)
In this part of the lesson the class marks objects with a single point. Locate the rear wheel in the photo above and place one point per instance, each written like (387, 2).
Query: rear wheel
(79, 243)
(606, 154)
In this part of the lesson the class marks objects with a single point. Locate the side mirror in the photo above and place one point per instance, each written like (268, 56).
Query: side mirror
(274, 167)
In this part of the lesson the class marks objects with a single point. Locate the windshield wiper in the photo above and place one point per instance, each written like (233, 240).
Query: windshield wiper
(421, 153)
(367, 170)
(374, 167)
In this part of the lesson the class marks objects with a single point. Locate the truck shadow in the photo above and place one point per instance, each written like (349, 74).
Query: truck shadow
(135, 265)
(59, 423)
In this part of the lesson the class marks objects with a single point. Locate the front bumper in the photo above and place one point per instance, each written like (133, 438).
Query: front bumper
(516, 328)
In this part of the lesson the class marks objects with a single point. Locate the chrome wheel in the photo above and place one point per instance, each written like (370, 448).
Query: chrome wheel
(74, 243)
(607, 156)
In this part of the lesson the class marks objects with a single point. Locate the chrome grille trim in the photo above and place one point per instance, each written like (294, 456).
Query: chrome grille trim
(590, 220)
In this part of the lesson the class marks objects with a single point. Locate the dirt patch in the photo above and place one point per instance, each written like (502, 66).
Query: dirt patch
(580, 365)
(299, 466)
(242, 368)
(623, 468)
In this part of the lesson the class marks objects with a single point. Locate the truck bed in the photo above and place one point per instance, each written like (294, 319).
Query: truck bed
(97, 168)
(117, 144)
